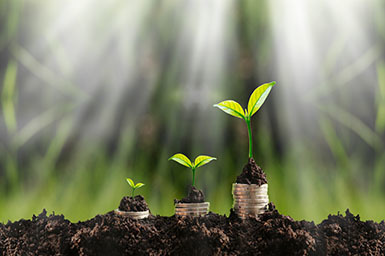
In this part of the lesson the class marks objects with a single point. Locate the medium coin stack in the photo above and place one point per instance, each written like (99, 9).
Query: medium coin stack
(249, 199)
(192, 209)
(133, 215)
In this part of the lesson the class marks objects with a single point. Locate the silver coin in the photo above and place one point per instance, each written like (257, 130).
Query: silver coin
(133, 215)
(256, 198)
(249, 208)
(193, 214)
(184, 205)
(249, 191)
(187, 212)
(249, 196)
(251, 204)
(249, 186)
(191, 210)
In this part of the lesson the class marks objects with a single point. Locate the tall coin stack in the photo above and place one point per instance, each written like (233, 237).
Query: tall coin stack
(249, 199)
(192, 209)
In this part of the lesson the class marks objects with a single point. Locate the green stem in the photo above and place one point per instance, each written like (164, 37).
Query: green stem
(133, 190)
(250, 137)
(193, 181)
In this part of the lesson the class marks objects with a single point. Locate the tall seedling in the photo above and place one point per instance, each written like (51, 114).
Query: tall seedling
(256, 100)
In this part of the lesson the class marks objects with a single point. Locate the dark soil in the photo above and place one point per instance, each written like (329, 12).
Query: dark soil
(133, 204)
(252, 174)
(194, 196)
(269, 234)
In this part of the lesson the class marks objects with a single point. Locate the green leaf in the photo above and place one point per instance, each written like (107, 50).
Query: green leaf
(202, 160)
(130, 182)
(231, 107)
(139, 185)
(182, 159)
(258, 97)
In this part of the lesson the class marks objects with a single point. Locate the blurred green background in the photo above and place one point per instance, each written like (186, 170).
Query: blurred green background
(92, 93)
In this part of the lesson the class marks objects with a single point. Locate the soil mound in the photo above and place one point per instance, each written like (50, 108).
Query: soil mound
(252, 174)
(194, 196)
(269, 234)
(134, 204)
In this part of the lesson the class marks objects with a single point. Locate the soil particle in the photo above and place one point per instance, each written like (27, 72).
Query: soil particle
(269, 234)
(134, 204)
(194, 196)
(252, 174)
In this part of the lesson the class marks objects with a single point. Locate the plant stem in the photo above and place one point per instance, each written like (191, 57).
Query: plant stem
(250, 137)
(193, 181)
(133, 190)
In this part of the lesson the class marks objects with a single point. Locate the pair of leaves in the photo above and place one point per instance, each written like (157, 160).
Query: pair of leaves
(199, 161)
(133, 185)
(256, 100)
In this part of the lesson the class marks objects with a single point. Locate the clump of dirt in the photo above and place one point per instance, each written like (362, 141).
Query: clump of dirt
(40, 236)
(133, 204)
(269, 234)
(194, 196)
(358, 238)
(252, 174)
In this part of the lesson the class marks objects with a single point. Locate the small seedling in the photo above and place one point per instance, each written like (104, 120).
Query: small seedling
(199, 161)
(256, 100)
(133, 185)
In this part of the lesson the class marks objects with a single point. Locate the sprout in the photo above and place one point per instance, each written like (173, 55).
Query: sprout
(256, 100)
(199, 161)
(133, 185)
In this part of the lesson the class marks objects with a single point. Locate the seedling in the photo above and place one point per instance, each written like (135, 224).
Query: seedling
(133, 185)
(256, 100)
(199, 161)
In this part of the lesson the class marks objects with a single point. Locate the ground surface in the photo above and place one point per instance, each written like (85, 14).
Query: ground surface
(270, 234)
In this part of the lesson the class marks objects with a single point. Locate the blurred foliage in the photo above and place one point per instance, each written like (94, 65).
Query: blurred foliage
(73, 127)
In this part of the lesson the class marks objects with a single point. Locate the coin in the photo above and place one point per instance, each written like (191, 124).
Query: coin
(249, 186)
(249, 199)
(182, 205)
(192, 209)
(133, 215)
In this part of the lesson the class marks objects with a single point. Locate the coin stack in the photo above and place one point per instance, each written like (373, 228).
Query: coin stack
(192, 209)
(249, 199)
(133, 215)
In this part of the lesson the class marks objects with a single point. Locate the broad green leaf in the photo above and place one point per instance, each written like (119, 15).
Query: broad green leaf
(258, 97)
(182, 159)
(202, 160)
(139, 185)
(231, 107)
(130, 182)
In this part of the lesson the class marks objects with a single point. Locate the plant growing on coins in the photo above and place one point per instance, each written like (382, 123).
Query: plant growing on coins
(133, 185)
(256, 100)
(199, 161)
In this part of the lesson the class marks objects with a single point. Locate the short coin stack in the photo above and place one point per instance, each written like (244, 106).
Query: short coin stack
(133, 215)
(192, 209)
(249, 199)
